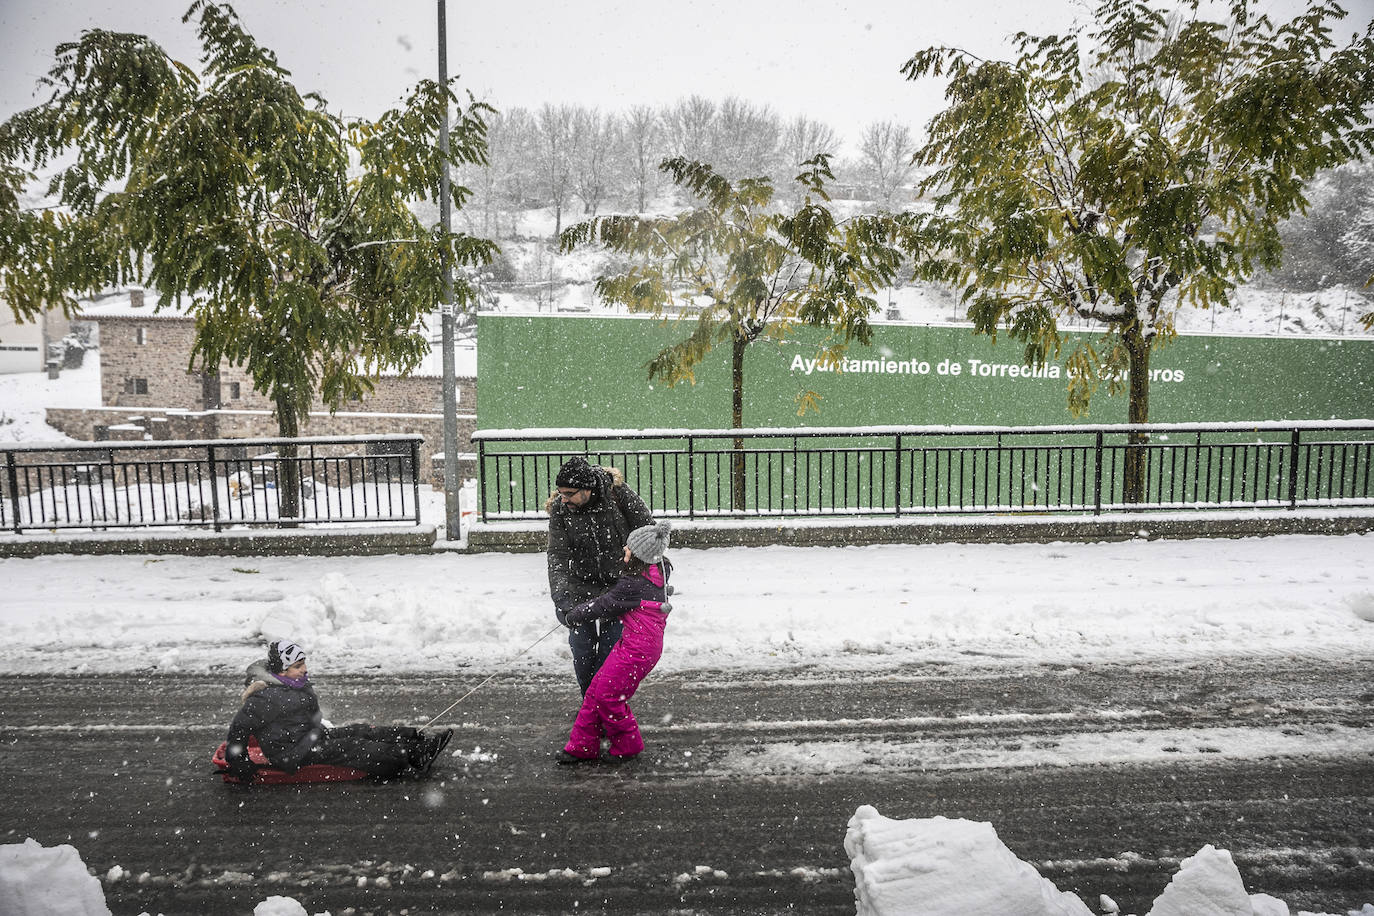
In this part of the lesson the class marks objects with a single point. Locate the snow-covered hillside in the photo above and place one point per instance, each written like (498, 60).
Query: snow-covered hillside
(544, 280)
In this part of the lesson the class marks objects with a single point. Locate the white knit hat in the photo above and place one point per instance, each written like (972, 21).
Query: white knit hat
(650, 542)
(284, 652)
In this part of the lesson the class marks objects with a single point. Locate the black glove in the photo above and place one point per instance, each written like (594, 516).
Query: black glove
(577, 615)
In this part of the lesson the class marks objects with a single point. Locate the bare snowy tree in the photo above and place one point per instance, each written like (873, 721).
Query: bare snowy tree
(885, 152)
(594, 139)
(689, 126)
(802, 139)
(522, 176)
(1328, 243)
(555, 158)
(499, 187)
(641, 148)
(748, 139)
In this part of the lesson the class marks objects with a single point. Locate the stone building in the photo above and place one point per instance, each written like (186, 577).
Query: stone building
(149, 390)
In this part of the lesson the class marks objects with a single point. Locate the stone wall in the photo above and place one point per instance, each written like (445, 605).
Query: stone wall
(148, 392)
(157, 351)
(133, 424)
(154, 350)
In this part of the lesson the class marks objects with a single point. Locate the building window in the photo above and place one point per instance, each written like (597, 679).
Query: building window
(233, 391)
(135, 386)
(140, 336)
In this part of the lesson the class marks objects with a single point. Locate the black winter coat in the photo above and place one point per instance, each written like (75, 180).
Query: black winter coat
(629, 593)
(286, 721)
(587, 543)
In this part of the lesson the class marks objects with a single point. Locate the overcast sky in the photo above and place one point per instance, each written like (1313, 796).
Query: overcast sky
(835, 61)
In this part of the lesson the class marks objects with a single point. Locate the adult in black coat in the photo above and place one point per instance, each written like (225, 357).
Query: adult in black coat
(281, 710)
(591, 514)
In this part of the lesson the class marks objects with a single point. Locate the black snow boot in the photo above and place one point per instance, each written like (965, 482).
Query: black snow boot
(571, 760)
(422, 759)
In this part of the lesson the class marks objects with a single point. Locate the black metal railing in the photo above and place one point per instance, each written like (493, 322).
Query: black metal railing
(210, 484)
(916, 470)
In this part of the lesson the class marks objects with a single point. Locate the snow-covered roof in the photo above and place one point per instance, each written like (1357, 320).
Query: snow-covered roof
(120, 305)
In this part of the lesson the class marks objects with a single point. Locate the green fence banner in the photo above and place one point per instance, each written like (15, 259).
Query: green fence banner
(584, 372)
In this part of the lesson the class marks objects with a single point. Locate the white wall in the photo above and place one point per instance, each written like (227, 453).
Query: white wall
(21, 345)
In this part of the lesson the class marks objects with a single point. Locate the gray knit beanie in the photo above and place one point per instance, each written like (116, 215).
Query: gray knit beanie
(650, 542)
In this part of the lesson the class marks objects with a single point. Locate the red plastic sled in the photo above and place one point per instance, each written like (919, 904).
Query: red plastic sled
(315, 772)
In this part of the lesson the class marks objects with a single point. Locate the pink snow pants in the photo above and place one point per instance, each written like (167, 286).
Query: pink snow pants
(606, 707)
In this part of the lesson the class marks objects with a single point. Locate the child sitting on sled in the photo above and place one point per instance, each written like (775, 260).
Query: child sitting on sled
(639, 599)
(281, 711)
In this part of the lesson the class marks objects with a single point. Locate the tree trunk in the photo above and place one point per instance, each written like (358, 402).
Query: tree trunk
(738, 343)
(288, 471)
(1137, 411)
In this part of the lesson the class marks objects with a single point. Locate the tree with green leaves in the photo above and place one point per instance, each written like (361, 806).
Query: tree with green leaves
(738, 271)
(286, 228)
(1134, 166)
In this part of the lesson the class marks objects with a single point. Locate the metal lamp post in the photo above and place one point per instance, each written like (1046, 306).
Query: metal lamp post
(452, 512)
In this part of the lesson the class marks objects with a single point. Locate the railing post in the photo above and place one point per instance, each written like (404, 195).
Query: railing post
(12, 473)
(997, 479)
(897, 480)
(1293, 451)
(481, 478)
(114, 488)
(691, 477)
(1097, 478)
(214, 485)
(415, 476)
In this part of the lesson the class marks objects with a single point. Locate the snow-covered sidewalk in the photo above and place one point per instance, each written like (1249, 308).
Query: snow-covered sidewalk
(768, 608)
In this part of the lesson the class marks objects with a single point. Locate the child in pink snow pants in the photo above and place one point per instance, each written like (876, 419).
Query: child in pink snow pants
(639, 599)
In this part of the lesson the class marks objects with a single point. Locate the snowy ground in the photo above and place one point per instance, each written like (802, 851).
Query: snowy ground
(25, 395)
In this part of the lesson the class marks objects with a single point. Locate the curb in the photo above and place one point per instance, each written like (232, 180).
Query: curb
(525, 537)
(532, 537)
(274, 542)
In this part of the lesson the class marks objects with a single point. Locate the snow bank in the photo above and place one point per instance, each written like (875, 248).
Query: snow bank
(1208, 884)
(37, 881)
(939, 865)
(931, 866)
(282, 906)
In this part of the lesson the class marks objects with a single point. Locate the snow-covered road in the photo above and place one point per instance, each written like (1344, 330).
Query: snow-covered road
(1104, 776)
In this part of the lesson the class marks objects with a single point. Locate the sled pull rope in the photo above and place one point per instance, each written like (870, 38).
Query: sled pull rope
(557, 626)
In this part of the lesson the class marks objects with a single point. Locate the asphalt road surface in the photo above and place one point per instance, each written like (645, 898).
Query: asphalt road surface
(739, 805)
